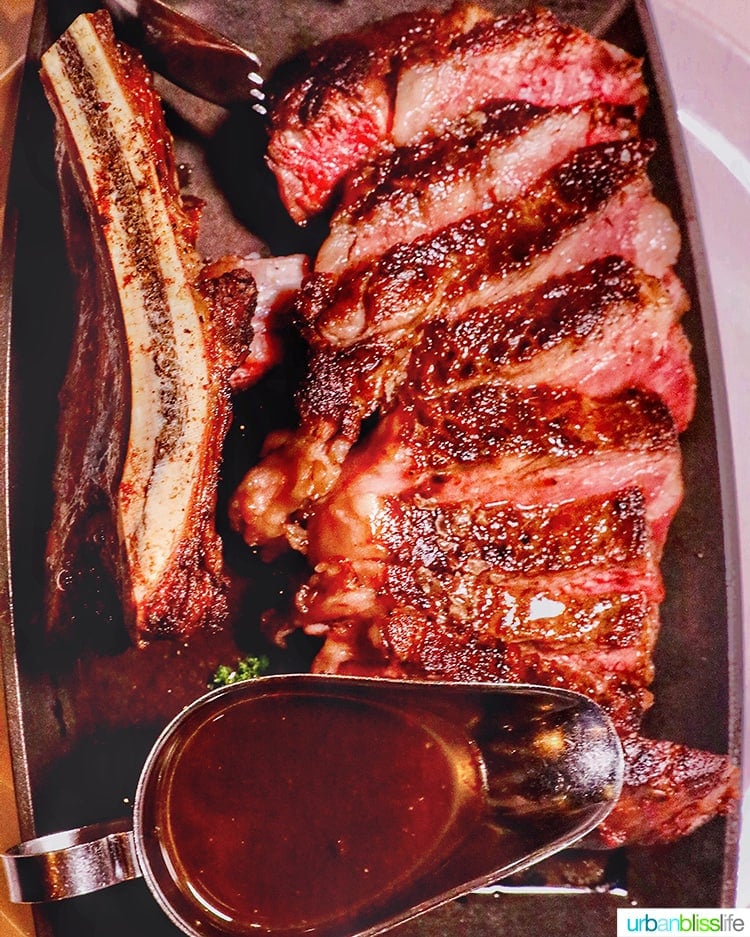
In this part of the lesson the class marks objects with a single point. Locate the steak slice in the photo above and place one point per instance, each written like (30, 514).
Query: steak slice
(510, 571)
(497, 442)
(512, 539)
(355, 94)
(597, 203)
(529, 55)
(521, 588)
(489, 157)
(598, 330)
(332, 106)
(564, 609)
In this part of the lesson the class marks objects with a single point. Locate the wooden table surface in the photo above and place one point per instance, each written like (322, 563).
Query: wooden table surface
(15, 18)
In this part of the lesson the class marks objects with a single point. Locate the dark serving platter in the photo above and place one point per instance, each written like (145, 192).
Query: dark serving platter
(84, 709)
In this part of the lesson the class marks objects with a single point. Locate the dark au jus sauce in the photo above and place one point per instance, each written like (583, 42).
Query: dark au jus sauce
(294, 814)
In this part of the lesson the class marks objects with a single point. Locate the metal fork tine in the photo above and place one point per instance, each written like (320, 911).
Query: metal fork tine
(190, 54)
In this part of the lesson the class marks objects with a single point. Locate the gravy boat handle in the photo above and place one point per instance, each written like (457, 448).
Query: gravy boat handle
(74, 862)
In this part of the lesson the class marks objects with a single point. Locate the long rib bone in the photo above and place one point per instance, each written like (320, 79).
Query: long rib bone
(112, 130)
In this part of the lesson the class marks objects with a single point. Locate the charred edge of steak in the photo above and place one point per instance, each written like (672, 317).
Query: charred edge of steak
(304, 87)
(344, 387)
(468, 426)
(343, 99)
(537, 25)
(528, 55)
(333, 104)
(503, 537)
(396, 289)
(512, 332)
(670, 790)
(514, 538)
(607, 302)
(232, 295)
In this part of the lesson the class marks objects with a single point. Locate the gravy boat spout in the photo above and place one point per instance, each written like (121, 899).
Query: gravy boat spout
(341, 806)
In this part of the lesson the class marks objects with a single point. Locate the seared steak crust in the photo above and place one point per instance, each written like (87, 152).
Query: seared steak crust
(489, 157)
(333, 105)
(599, 330)
(515, 539)
(494, 248)
(670, 790)
(501, 335)
(469, 426)
(528, 55)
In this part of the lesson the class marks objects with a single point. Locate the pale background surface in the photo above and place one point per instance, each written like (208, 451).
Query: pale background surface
(706, 44)
(707, 49)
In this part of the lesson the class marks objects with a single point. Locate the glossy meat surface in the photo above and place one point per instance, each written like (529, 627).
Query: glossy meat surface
(598, 330)
(506, 571)
(333, 105)
(670, 790)
(594, 204)
(497, 442)
(490, 157)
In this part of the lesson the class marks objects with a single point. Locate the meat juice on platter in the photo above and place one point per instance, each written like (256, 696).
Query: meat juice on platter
(265, 847)
(486, 459)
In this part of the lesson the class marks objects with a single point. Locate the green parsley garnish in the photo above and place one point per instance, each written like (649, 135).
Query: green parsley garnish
(248, 668)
